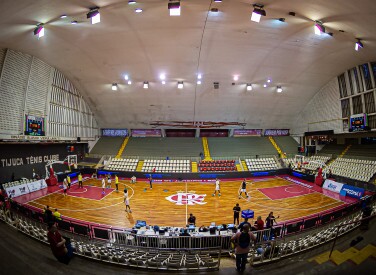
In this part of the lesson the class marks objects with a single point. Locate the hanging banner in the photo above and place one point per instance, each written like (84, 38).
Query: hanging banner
(146, 133)
(277, 132)
(247, 132)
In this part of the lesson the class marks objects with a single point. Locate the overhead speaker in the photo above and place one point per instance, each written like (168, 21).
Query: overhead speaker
(78, 139)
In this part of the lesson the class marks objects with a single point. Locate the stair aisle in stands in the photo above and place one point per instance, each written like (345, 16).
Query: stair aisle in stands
(125, 142)
(205, 145)
(277, 147)
(139, 166)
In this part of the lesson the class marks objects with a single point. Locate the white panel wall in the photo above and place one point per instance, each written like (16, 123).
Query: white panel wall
(37, 91)
(13, 83)
(30, 86)
(323, 112)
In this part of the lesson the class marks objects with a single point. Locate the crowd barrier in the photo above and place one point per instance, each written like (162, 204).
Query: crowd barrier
(116, 246)
(198, 240)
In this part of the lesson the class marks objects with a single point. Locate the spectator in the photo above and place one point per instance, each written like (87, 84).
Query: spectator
(242, 241)
(48, 216)
(241, 225)
(57, 215)
(259, 223)
(60, 246)
(270, 220)
(236, 210)
(192, 219)
(185, 233)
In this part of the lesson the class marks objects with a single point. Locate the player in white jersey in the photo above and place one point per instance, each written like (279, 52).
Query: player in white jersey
(217, 188)
(103, 185)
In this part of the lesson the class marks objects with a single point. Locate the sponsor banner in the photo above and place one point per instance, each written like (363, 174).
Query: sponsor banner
(36, 185)
(114, 132)
(277, 132)
(299, 182)
(352, 191)
(332, 186)
(17, 190)
(247, 132)
(146, 133)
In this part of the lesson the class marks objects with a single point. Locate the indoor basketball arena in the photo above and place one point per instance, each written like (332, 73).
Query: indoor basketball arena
(179, 136)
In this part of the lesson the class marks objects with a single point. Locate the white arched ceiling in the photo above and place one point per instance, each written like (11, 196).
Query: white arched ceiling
(219, 45)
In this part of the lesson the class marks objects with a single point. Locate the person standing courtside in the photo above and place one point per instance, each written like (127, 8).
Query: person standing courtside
(236, 210)
(79, 180)
(192, 219)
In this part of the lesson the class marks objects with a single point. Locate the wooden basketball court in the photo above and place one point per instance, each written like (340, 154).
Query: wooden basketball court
(166, 204)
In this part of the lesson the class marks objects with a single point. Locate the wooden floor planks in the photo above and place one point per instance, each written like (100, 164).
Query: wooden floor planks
(153, 207)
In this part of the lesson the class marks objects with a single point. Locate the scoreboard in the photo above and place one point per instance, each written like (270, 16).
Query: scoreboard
(358, 122)
(34, 126)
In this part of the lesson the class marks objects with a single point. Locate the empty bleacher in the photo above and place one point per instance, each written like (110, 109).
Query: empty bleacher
(367, 151)
(169, 166)
(332, 149)
(107, 146)
(261, 164)
(245, 146)
(287, 144)
(123, 164)
(357, 169)
(163, 147)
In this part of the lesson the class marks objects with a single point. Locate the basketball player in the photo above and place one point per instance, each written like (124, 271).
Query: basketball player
(126, 201)
(103, 185)
(217, 188)
(151, 182)
(65, 187)
(117, 183)
(109, 181)
(79, 180)
(243, 189)
(69, 181)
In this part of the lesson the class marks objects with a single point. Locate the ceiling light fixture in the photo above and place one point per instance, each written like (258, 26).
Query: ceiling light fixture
(126, 77)
(358, 44)
(138, 10)
(265, 85)
(198, 82)
(39, 30)
(269, 80)
(63, 16)
(249, 87)
(129, 82)
(114, 86)
(180, 85)
(130, 2)
(174, 8)
(146, 85)
(162, 76)
(74, 22)
(279, 89)
(94, 15)
(258, 11)
(163, 82)
(216, 85)
(319, 28)
(199, 76)
(218, 1)
(236, 78)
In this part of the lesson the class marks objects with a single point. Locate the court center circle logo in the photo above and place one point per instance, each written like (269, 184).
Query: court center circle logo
(186, 198)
